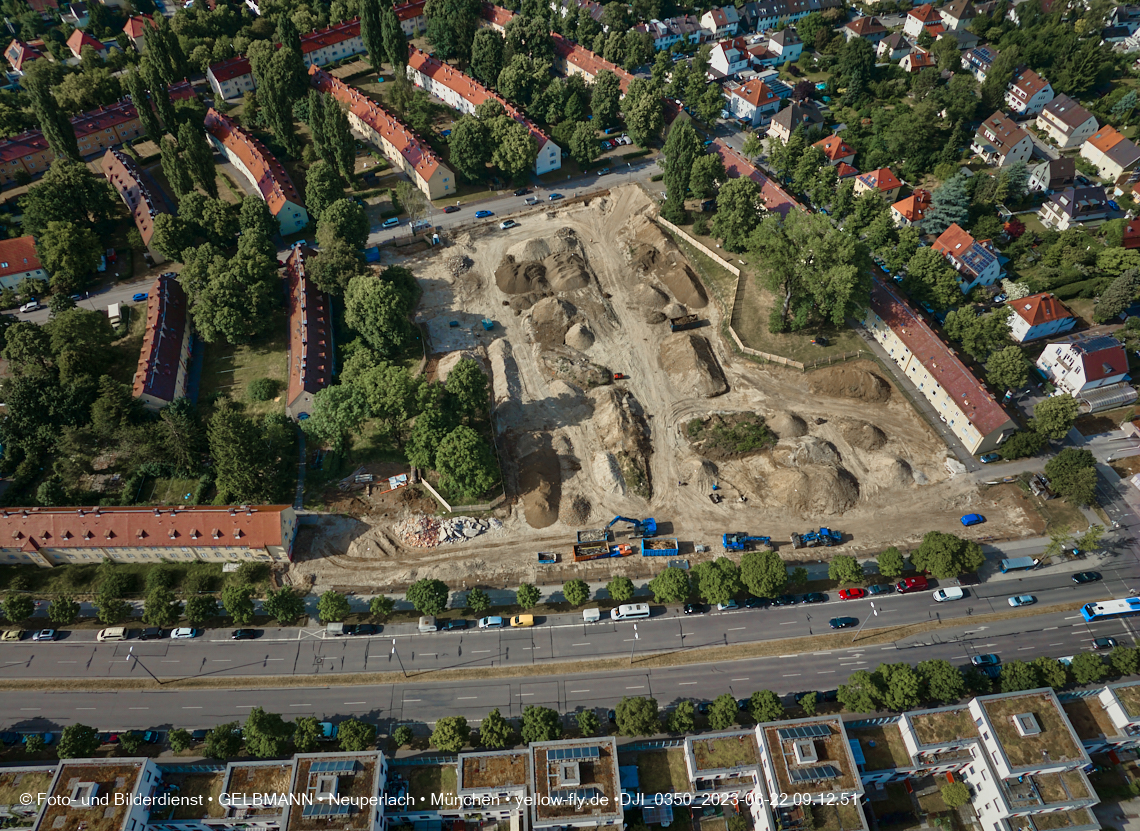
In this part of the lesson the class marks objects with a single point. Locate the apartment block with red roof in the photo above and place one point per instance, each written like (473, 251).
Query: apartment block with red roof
(135, 29)
(164, 362)
(49, 537)
(976, 262)
(1082, 363)
(752, 101)
(572, 59)
(399, 144)
(411, 17)
(912, 210)
(923, 17)
(836, 150)
(775, 198)
(19, 261)
(138, 191)
(310, 336)
(265, 174)
(1001, 142)
(881, 180)
(1028, 92)
(960, 399)
(1112, 153)
(1039, 316)
(463, 93)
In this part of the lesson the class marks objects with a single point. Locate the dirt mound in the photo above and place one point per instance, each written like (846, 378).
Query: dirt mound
(566, 271)
(513, 277)
(621, 426)
(850, 381)
(531, 250)
(571, 405)
(787, 425)
(448, 362)
(812, 491)
(806, 451)
(540, 485)
(579, 336)
(576, 511)
(670, 268)
(887, 474)
(701, 474)
(607, 473)
(504, 372)
(690, 362)
(649, 297)
(862, 434)
(674, 310)
(573, 367)
(550, 319)
(654, 317)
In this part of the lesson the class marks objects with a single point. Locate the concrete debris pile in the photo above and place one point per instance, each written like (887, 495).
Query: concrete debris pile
(458, 265)
(428, 532)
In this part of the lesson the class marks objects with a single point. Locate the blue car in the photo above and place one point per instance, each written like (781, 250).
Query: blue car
(987, 458)
(1113, 205)
(973, 519)
(554, 197)
(138, 298)
(483, 214)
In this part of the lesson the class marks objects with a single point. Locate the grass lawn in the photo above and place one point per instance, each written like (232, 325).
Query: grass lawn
(227, 370)
(1082, 307)
(662, 771)
(1059, 512)
(897, 801)
(127, 349)
(168, 491)
(427, 780)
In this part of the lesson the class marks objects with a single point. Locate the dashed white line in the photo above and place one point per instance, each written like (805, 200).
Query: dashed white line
(480, 650)
(349, 703)
(191, 708)
(1049, 628)
(587, 643)
(1072, 617)
(736, 629)
(406, 700)
(467, 698)
(791, 675)
(243, 706)
(527, 695)
(30, 709)
(825, 672)
(300, 705)
(86, 708)
(138, 708)
(642, 687)
(1058, 643)
(223, 660)
(433, 654)
(789, 622)
(67, 662)
(578, 691)
(686, 683)
(1023, 648)
(739, 679)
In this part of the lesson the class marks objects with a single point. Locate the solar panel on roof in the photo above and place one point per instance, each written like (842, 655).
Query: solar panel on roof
(807, 731)
(326, 809)
(559, 754)
(815, 774)
(337, 766)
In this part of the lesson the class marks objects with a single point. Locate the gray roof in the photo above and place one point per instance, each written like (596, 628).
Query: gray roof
(1068, 111)
(1081, 202)
(797, 114)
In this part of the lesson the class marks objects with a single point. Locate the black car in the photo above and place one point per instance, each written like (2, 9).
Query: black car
(757, 603)
(1104, 643)
(785, 600)
(843, 622)
(1082, 577)
(694, 609)
(450, 209)
(704, 707)
(522, 191)
(611, 715)
(151, 634)
(742, 704)
(451, 625)
(199, 735)
(243, 634)
(362, 629)
(814, 597)
(882, 588)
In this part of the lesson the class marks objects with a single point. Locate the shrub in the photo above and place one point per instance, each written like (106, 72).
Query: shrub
(263, 389)
(700, 226)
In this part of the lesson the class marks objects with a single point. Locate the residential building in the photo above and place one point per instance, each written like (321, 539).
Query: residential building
(752, 101)
(720, 23)
(729, 57)
(881, 180)
(402, 147)
(411, 17)
(1053, 174)
(98, 793)
(50, 536)
(784, 123)
(999, 141)
(893, 47)
(727, 763)
(964, 38)
(138, 191)
(957, 15)
(1028, 92)
(572, 59)
(75, 14)
(46, 9)
(79, 39)
(912, 210)
(310, 336)
(917, 60)
(960, 399)
(1039, 316)
(845, 171)
(1112, 153)
(1074, 206)
(867, 27)
(19, 54)
(922, 18)
(683, 29)
(497, 17)
(495, 784)
(1066, 122)
(1109, 720)
(1081, 363)
(764, 15)
(575, 784)
(775, 198)
(135, 29)
(836, 150)
(264, 173)
(786, 46)
(1131, 238)
(19, 261)
(463, 93)
(168, 344)
(232, 78)
(976, 262)
(979, 60)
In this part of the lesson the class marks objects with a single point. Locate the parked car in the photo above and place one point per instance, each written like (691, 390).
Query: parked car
(989, 660)
(108, 738)
(912, 584)
(813, 597)
(532, 200)
(703, 708)
(727, 606)
(390, 222)
(881, 588)
(785, 600)
(152, 633)
(138, 297)
(1082, 577)
(757, 603)
(987, 458)
(184, 633)
(12, 635)
(843, 622)
(483, 214)
(364, 629)
(243, 634)
(455, 625)
(972, 519)
(199, 735)
(450, 209)
(31, 306)
(852, 594)
(506, 224)
(522, 191)
(45, 635)
(1022, 600)
(694, 609)
(554, 197)
(603, 171)
(9, 737)
(948, 594)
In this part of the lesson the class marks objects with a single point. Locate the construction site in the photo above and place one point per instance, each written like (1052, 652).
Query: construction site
(615, 394)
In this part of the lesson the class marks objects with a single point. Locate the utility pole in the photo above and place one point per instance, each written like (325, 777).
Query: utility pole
(398, 658)
(131, 654)
(864, 623)
(634, 647)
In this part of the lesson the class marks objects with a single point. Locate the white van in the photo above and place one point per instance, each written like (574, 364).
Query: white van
(952, 593)
(115, 633)
(427, 624)
(591, 615)
(630, 611)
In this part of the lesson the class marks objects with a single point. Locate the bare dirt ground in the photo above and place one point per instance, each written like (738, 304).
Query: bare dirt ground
(582, 292)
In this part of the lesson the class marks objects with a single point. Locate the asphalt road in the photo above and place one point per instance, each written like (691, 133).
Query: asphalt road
(420, 699)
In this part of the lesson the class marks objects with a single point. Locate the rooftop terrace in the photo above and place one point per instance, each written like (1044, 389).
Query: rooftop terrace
(831, 751)
(493, 770)
(424, 781)
(943, 727)
(838, 817)
(1053, 744)
(1054, 820)
(726, 752)
(258, 779)
(1130, 697)
(598, 773)
(663, 771)
(883, 747)
(1089, 718)
(110, 780)
(356, 784)
(15, 783)
(206, 785)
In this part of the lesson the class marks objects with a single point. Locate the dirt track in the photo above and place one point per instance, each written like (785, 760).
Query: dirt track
(572, 292)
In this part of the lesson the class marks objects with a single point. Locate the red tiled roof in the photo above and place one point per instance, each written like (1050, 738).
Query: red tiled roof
(1101, 356)
(44, 6)
(1106, 138)
(736, 166)
(925, 14)
(310, 336)
(589, 62)
(881, 179)
(135, 27)
(954, 241)
(497, 15)
(272, 179)
(1007, 134)
(167, 316)
(1028, 82)
(968, 393)
(920, 59)
(416, 152)
(18, 255)
(79, 39)
(913, 208)
(469, 89)
(409, 11)
(844, 171)
(865, 25)
(1132, 234)
(834, 148)
(19, 53)
(755, 93)
(332, 35)
(231, 68)
(207, 526)
(1039, 308)
(132, 186)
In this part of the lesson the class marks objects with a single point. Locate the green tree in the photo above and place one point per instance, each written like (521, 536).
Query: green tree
(1054, 417)
(1088, 668)
(765, 705)
(333, 607)
(1119, 295)
(223, 741)
(955, 794)
(77, 741)
(245, 468)
(718, 581)
(307, 734)
(494, 731)
(403, 735)
(891, 563)
(670, 586)
(845, 568)
(237, 599)
(63, 610)
(381, 606)
(683, 719)
(540, 724)
(949, 204)
(722, 712)
(930, 279)
(451, 27)
(71, 255)
(68, 192)
(469, 388)
(199, 157)
(487, 55)
(809, 703)
(450, 734)
(577, 592)
(1019, 675)
(1072, 474)
(644, 116)
(901, 688)
(284, 605)
(200, 608)
(323, 186)
(161, 608)
(344, 219)
(1007, 369)
(512, 149)
(737, 212)
(175, 169)
(1090, 539)
(356, 736)
(681, 150)
(1022, 444)
(584, 146)
(637, 716)
(861, 693)
(34, 743)
(465, 463)
(527, 595)
(111, 610)
(266, 734)
(38, 80)
(428, 596)
(945, 555)
(337, 412)
(136, 86)
(376, 309)
(620, 589)
(605, 95)
(478, 601)
(179, 740)
(373, 31)
(470, 145)
(1125, 660)
(1051, 672)
(941, 681)
(707, 171)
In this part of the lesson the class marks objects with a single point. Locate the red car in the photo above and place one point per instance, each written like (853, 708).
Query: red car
(912, 584)
(851, 594)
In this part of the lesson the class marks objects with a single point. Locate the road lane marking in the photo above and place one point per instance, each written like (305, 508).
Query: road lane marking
(349, 703)
(1023, 648)
(171, 662)
(300, 705)
(791, 675)
(138, 708)
(85, 708)
(523, 695)
(825, 672)
(480, 650)
(642, 687)
(578, 691)
(1072, 617)
(739, 679)
(1050, 628)
(268, 659)
(789, 622)
(433, 654)
(587, 643)
(191, 708)
(67, 662)
(243, 706)
(467, 698)
(223, 660)
(736, 629)
(686, 683)
(30, 709)
(1058, 643)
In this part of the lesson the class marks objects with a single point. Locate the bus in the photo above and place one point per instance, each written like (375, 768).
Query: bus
(1110, 609)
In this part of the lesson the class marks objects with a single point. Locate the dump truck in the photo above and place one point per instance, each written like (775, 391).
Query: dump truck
(595, 535)
(680, 324)
(739, 541)
(660, 547)
(641, 527)
(809, 540)
(599, 551)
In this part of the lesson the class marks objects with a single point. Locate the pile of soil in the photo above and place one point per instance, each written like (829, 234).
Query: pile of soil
(580, 337)
(723, 436)
(665, 263)
(812, 491)
(888, 473)
(566, 272)
(504, 372)
(862, 434)
(573, 367)
(514, 277)
(701, 474)
(653, 318)
(674, 310)
(648, 296)
(620, 424)
(850, 381)
(576, 511)
(529, 251)
(806, 451)
(787, 425)
(550, 319)
(568, 401)
(690, 362)
(607, 473)
(540, 486)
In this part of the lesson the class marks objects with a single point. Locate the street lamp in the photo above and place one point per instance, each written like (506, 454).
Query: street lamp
(634, 647)
(398, 658)
(864, 623)
(131, 654)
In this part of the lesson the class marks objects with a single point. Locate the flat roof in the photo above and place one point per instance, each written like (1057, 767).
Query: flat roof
(1062, 786)
(1130, 699)
(1054, 820)
(725, 752)
(597, 773)
(112, 779)
(15, 782)
(481, 771)
(258, 778)
(356, 780)
(426, 781)
(832, 752)
(943, 726)
(1089, 718)
(883, 747)
(847, 816)
(1055, 738)
(206, 784)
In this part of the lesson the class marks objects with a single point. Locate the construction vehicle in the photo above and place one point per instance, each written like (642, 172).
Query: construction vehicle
(547, 557)
(660, 547)
(824, 536)
(641, 527)
(830, 537)
(740, 541)
(680, 324)
(599, 551)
